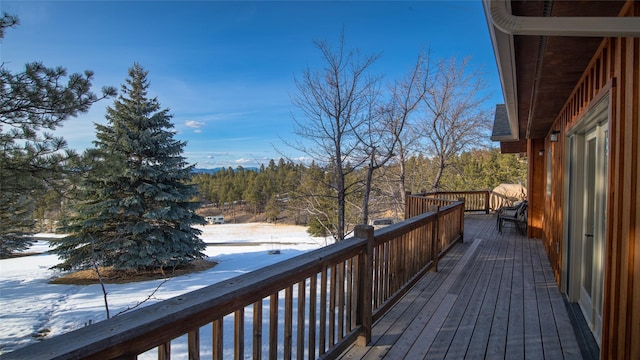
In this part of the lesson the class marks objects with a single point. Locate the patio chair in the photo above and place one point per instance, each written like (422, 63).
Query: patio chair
(516, 214)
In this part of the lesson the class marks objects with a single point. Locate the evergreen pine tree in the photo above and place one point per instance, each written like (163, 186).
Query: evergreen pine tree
(137, 212)
(33, 104)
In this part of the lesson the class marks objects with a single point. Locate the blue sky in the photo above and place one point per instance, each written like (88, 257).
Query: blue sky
(226, 69)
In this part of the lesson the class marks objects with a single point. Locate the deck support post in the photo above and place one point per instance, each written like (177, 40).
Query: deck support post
(364, 316)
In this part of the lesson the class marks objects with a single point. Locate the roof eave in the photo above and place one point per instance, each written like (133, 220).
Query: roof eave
(504, 51)
(503, 25)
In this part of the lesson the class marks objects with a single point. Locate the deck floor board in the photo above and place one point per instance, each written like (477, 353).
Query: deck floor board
(494, 296)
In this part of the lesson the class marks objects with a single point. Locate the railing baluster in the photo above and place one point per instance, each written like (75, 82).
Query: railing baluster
(193, 339)
(348, 294)
(288, 309)
(352, 294)
(302, 288)
(386, 276)
(375, 276)
(313, 293)
(340, 274)
(332, 308)
(434, 246)
(217, 339)
(164, 351)
(394, 269)
(425, 242)
(323, 312)
(273, 327)
(401, 262)
(238, 334)
(257, 330)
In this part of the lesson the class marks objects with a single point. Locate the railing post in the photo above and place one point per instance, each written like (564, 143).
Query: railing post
(364, 315)
(407, 206)
(435, 242)
(464, 204)
(486, 201)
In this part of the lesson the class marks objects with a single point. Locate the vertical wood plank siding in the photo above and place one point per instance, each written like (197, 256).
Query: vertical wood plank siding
(319, 292)
(536, 191)
(614, 71)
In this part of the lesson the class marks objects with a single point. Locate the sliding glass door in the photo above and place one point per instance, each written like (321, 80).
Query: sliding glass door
(587, 187)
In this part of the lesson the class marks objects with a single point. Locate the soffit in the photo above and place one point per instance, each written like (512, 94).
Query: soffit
(562, 62)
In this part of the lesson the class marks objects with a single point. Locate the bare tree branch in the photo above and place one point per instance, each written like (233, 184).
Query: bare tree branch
(335, 105)
(454, 118)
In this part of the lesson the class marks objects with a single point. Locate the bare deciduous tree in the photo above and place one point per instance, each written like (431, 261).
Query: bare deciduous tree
(386, 137)
(335, 103)
(455, 119)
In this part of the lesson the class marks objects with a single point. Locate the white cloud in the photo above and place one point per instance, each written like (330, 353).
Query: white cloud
(194, 124)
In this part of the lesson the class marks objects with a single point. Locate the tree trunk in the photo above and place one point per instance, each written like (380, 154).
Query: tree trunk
(367, 191)
(436, 182)
(341, 197)
(402, 185)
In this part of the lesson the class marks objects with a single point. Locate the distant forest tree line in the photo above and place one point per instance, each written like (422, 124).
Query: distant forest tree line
(280, 187)
(276, 190)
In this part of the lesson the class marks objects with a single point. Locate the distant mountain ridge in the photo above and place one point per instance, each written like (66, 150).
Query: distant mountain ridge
(215, 170)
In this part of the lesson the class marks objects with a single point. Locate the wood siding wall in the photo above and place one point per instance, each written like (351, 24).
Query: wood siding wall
(614, 71)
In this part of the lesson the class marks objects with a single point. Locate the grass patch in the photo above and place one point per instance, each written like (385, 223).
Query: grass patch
(111, 276)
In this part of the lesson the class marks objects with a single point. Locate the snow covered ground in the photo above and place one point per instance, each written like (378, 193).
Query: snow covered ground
(32, 309)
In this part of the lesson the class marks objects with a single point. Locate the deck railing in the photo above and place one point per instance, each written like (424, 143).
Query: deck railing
(477, 200)
(307, 307)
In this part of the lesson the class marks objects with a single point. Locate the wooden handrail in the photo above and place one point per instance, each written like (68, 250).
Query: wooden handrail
(341, 290)
(475, 200)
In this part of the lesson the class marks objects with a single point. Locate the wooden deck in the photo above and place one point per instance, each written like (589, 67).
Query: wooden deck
(494, 296)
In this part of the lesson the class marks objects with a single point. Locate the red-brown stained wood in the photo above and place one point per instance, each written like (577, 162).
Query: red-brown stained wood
(349, 296)
(364, 309)
(302, 288)
(463, 310)
(378, 269)
(273, 327)
(332, 307)
(313, 288)
(613, 71)
(164, 351)
(238, 334)
(217, 340)
(257, 330)
(634, 315)
(322, 341)
(193, 341)
(288, 322)
(340, 293)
